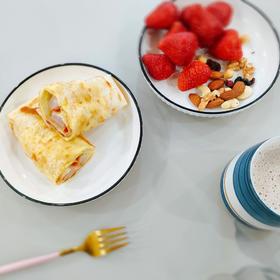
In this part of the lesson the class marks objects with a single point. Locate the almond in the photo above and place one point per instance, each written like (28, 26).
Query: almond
(236, 91)
(215, 103)
(216, 84)
(195, 99)
(239, 87)
(216, 75)
(228, 95)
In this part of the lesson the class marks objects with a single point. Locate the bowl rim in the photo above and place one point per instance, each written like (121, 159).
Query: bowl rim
(132, 161)
(204, 113)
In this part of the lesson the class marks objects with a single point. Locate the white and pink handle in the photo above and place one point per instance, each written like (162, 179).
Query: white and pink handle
(28, 263)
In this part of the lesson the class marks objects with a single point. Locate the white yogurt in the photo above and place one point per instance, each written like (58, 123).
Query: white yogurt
(266, 174)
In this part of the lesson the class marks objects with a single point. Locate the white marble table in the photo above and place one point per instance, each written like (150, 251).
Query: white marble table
(170, 201)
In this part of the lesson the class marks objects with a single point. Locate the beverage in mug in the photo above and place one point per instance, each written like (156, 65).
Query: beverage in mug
(250, 185)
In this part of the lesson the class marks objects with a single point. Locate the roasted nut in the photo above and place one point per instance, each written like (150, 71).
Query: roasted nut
(202, 105)
(216, 93)
(195, 99)
(216, 84)
(216, 75)
(204, 90)
(239, 87)
(246, 94)
(243, 62)
(228, 95)
(234, 66)
(228, 74)
(209, 96)
(217, 102)
(230, 104)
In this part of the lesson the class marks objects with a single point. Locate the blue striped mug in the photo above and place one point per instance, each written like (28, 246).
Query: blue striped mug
(250, 186)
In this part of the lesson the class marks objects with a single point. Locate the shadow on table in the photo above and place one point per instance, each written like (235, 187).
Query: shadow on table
(262, 246)
(250, 273)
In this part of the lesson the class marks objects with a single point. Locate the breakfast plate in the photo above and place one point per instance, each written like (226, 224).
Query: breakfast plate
(262, 50)
(117, 143)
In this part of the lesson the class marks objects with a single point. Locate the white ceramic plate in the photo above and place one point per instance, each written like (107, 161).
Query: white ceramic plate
(262, 51)
(117, 144)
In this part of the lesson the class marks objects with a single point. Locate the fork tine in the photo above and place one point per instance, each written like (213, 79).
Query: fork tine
(110, 236)
(109, 243)
(116, 247)
(109, 230)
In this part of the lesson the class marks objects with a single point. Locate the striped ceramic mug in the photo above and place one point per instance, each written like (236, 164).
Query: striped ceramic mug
(250, 186)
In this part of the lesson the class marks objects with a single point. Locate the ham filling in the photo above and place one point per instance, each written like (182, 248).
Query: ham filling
(74, 167)
(56, 117)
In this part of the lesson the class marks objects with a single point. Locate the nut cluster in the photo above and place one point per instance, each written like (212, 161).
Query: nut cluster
(221, 91)
(248, 69)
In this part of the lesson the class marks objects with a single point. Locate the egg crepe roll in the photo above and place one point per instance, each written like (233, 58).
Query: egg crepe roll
(77, 106)
(57, 158)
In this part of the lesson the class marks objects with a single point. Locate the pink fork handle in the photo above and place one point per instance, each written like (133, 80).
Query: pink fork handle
(27, 263)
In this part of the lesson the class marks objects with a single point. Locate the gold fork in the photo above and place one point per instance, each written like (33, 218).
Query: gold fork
(97, 243)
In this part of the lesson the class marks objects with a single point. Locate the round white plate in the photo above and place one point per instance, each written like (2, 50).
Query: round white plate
(117, 144)
(263, 51)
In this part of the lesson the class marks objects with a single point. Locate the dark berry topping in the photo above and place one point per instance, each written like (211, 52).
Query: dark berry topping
(229, 83)
(214, 65)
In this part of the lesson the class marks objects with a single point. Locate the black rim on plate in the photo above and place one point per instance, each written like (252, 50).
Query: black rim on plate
(151, 84)
(135, 155)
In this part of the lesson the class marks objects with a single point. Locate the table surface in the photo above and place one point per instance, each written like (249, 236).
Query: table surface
(170, 200)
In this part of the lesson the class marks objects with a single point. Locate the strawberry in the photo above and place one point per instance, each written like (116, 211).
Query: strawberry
(176, 27)
(190, 11)
(163, 16)
(229, 47)
(222, 11)
(204, 24)
(159, 66)
(179, 47)
(194, 75)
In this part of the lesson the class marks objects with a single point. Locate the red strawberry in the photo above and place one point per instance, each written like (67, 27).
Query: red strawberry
(194, 75)
(204, 24)
(229, 47)
(159, 66)
(190, 11)
(179, 47)
(176, 27)
(222, 11)
(163, 16)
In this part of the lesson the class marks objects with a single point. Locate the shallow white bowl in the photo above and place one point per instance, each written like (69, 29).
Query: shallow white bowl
(263, 51)
(117, 144)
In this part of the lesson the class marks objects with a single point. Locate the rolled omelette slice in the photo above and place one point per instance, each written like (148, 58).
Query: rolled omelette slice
(57, 158)
(77, 106)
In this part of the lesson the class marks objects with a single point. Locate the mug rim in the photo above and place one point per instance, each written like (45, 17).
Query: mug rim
(260, 148)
